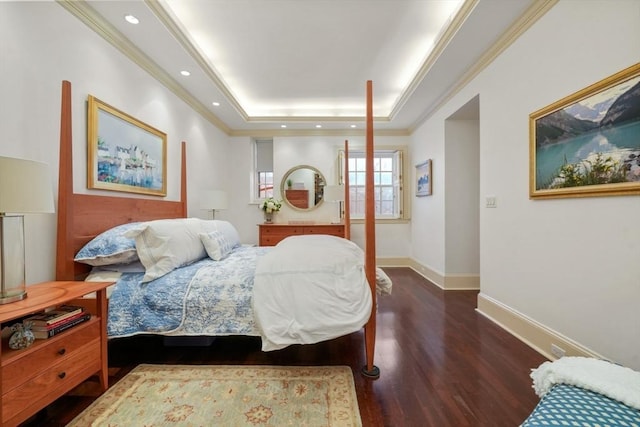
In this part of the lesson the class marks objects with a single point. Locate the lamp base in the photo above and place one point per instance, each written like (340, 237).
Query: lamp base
(12, 272)
(12, 298)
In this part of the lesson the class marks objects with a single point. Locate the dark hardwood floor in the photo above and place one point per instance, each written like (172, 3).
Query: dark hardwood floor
(442, 364)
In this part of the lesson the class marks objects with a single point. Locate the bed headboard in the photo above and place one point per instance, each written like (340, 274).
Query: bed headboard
(81, 217)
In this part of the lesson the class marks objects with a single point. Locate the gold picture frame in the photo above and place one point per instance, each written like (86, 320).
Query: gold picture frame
(586, 144)
(123, 153)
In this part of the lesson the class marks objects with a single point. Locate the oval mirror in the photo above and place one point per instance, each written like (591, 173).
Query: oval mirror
(302, 188)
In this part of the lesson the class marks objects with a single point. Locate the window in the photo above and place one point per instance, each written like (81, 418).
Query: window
(387, 181)
(262, 182)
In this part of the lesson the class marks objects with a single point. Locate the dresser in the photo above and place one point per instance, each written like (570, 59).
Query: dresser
(271, 234)
(32, 378)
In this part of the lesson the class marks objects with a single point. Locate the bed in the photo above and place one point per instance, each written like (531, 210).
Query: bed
(585, 392)
(84, 217)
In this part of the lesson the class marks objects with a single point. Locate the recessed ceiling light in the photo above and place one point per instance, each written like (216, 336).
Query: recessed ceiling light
(216, 104)
(185, 73)
(283, 126)
(131, 19)
(318, 126)
(353, 126)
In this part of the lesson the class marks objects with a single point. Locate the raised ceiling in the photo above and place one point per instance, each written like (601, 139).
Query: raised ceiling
(283, 66)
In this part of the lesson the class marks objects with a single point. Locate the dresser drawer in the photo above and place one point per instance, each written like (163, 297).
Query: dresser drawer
(272, 234)
(51, 351)
(270, 240)
(52, 382)
(332, 230)
(281, 230)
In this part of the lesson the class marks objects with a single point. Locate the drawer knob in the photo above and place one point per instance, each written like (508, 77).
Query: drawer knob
(62, 351)
(61, 375)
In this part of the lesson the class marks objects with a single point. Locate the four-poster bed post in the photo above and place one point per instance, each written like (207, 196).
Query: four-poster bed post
(370, 370)
(347, 200)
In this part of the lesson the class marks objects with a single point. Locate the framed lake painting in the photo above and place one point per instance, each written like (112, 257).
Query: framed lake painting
(123, 153)
(588, 144)
(423, 178)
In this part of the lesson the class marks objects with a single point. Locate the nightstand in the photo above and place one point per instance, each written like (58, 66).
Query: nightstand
(32, 378)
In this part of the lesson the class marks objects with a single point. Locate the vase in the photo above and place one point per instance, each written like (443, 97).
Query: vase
(268, 217)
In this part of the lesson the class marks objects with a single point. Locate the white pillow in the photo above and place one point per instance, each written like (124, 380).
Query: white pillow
(133, 267)
(166, 244)
(216, 245)
(227, 230)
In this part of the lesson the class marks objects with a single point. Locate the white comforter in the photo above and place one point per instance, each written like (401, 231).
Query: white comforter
(309, 289)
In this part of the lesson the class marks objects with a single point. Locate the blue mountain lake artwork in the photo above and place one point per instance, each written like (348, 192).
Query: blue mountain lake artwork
(594, 141)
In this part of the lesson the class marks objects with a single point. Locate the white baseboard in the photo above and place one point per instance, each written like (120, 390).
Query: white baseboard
(450, 282)
(532, 333)
(392, 262)
(462, 282)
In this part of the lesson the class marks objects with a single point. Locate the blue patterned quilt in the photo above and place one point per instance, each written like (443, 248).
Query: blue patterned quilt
(204, 298)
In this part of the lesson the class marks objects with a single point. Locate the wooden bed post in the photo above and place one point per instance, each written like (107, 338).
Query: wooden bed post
(64, 250)
(347, 203)
(370, 370)
(183, 180)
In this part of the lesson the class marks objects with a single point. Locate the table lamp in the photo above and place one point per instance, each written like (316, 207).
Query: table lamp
(215, 200)
(25, 187)
(335, 194)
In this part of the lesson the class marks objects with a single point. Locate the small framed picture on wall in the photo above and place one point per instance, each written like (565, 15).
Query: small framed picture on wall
(423, 178)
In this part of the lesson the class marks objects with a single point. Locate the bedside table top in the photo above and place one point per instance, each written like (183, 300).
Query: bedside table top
(48, 294)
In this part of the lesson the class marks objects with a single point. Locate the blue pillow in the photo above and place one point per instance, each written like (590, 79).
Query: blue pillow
(110, 247)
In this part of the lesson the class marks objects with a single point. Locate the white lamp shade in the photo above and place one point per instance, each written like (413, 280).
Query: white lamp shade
(25, 186)
(334, 193)
(215, 199)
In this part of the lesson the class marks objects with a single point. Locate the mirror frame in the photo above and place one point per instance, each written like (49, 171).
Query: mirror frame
(283, 185)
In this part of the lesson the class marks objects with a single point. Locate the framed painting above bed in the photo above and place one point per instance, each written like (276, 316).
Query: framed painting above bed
(123, 153)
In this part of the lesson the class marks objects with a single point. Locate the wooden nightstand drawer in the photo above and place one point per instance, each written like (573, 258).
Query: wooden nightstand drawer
(29, 364)
(52, 382)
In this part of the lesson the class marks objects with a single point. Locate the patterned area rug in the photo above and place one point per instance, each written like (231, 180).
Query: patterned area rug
(170, 395)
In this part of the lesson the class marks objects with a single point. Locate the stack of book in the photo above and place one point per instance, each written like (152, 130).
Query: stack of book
(50, 323)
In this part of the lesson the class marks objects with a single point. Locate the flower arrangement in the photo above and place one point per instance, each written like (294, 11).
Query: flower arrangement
(270, 205)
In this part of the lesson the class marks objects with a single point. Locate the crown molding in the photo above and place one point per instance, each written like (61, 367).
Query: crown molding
(178, 32)
(442, 42)
(269, 133)
(85, 13)
(522, 24)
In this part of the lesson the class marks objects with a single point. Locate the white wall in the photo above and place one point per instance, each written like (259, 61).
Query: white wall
(41, 44)
(462, 181)
(428, 221)
(570, 264)
(393, 240)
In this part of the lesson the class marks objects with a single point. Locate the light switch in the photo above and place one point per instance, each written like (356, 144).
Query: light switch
(491, 202)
